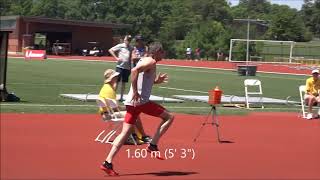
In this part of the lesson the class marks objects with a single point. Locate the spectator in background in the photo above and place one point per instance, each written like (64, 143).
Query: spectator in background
(189, 53)
(198, 54)
(58, 48)
(48, 45)
(220, 55)
(122, 53)
(139, 50)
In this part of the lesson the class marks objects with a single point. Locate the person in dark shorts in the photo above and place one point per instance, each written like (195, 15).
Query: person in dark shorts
(122, 53)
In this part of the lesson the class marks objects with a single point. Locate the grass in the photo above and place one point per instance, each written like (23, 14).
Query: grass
(39, 83)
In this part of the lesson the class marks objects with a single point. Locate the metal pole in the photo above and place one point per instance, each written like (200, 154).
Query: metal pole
(248, 37)
(215, 122)
(291, 49)
(204, 123)
(248, 32)
(230, 50)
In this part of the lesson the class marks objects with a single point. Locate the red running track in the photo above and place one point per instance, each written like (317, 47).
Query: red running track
(262, 67)
(61, 146)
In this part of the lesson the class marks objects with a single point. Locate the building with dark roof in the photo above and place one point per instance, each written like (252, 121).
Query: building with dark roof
(42, 33)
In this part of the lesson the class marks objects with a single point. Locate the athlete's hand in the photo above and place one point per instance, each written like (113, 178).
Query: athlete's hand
(135, 98)
(162, 78)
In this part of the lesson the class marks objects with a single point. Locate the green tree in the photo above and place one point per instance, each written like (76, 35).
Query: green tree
(176, 24)
(209, 36)
(217, 10)
(49, 8)
(5, 7)
(16, 7)
(310, 12)
(286, 24)
(185, 18)
(145, 16)
(251, 8)
(74, 10)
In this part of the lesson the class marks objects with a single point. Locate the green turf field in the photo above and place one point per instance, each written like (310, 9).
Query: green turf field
(39, 83)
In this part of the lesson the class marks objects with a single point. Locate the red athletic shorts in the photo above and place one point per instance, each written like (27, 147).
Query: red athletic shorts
(149, 108)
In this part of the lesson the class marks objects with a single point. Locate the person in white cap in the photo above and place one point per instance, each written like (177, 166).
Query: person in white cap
(312, 92)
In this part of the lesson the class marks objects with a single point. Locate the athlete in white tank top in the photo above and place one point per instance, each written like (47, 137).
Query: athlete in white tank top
(145, 82)
(143, 76)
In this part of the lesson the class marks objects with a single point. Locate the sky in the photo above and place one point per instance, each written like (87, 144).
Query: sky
(292, 3)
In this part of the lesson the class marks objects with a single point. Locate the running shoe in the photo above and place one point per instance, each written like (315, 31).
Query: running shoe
(146, 139)
(153, 149)
(108, 168)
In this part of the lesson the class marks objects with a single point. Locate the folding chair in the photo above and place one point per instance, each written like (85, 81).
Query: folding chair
(302, 91)
(253, 84)
(114, 120)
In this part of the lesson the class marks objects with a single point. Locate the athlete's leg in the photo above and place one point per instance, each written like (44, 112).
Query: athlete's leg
(167, 119)
(123, 88)
(139, 126)
(157, 110)
(129, 121)
(119, 141)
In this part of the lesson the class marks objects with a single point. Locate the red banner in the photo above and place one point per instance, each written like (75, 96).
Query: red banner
(35, 54)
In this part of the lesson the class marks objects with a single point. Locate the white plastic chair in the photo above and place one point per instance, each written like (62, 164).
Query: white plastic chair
(250, 84)
(114, 120)
(302, 91)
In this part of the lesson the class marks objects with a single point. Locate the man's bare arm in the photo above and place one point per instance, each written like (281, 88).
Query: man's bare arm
(144, 65)
(113, 54)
